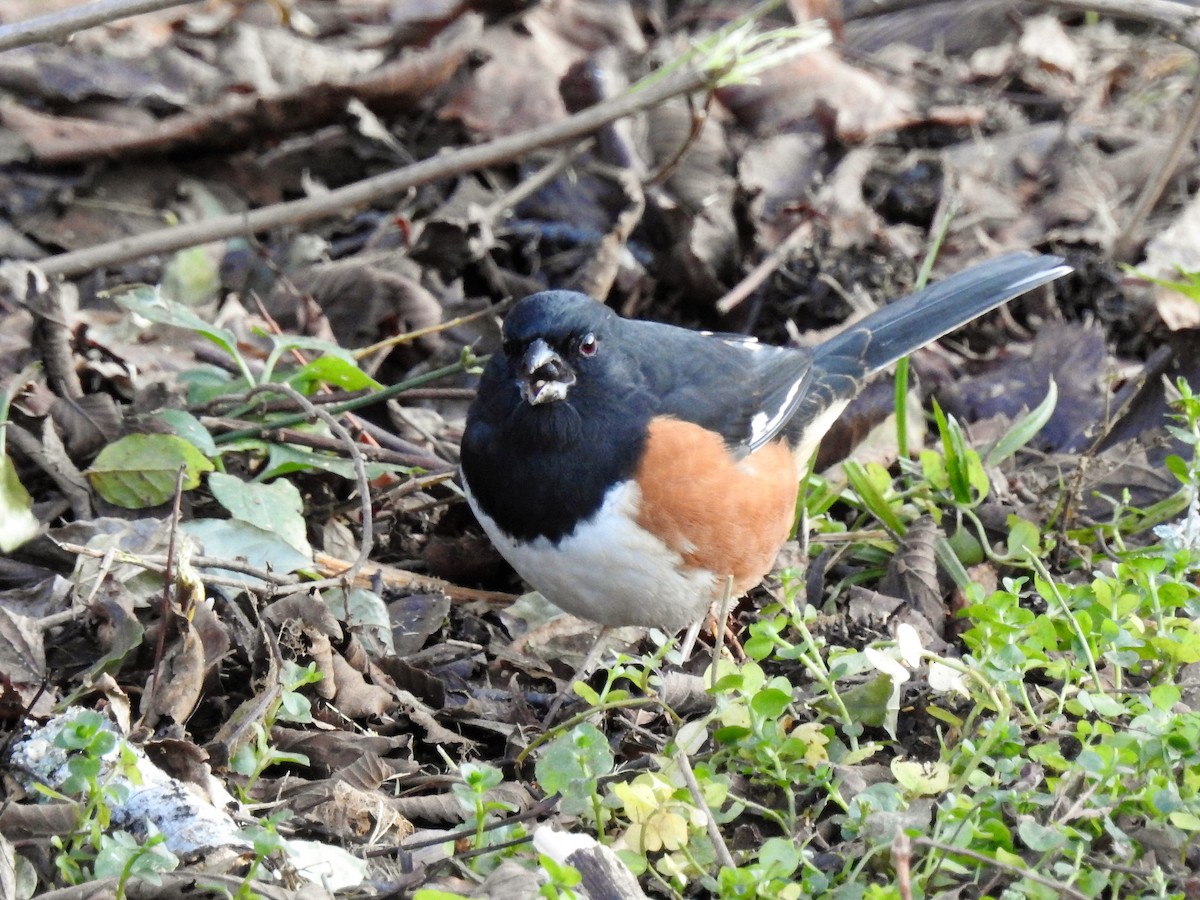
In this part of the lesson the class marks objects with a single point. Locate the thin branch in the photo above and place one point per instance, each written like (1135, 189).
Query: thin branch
(158, 563)
(724, 857)
(402, 579)
(59, 26)
(1152, 190)
(1064, 890)
(380, 187)
(366, 539)
(760, 273)
(1181, 17)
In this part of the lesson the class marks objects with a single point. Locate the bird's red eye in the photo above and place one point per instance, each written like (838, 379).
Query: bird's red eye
(588, 345)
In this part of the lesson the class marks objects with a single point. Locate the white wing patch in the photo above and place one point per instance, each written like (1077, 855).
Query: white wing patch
(748, 343)
(765, 423)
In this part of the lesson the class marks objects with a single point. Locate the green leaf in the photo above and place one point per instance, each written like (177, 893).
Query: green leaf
(149, 303)
(334, 370)
(1025, 429)
(966, 547)
(867, 703)
(1189, 286)
(962, 464)
(183, 424)
(192, 276)
(275, 507)
(933, 469)
(284, 459)
(17, 522)
(921, 779)
(780, 857)
(1024, 538)
(1179, 468)
(571, 766)
(770, 703)
(231, 539)
(871, 497)
(139, 470)
(1165, 696)
(1039, 838)
(1102, 704)
(1186, 821)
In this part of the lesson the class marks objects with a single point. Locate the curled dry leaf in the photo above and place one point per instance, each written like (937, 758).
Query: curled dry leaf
(22, 652)
(174, 687)
(912, 572)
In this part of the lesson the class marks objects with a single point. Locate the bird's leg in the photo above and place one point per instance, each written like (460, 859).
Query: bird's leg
(689, 640)
(715, 622)
(582, 671)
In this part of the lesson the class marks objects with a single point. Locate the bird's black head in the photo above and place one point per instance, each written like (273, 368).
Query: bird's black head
(553, 338)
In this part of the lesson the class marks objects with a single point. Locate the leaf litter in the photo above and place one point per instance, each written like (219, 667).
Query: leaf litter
(352, 715)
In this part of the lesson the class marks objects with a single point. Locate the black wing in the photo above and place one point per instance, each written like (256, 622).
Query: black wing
(743, 390)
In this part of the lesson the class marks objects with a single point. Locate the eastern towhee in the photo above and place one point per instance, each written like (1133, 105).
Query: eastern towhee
(627, 469)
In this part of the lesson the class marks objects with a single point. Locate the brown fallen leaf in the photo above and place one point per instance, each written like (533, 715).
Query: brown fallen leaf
(173, 689)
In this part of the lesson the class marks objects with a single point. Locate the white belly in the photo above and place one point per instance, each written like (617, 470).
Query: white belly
(610, 569)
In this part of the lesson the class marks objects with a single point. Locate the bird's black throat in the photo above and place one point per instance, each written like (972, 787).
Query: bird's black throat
(538, 471)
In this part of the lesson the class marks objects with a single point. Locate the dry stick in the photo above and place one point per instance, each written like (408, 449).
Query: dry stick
(371, 190)
(1181, 16)
(158, 563)
(320, 442)
(902, 864)
(367, 539)
(1153, 189)
(1063, 889)
(405, 580)
(535, 182)
(1185, 19)
(759, 273)
(724, 857)
(61, 25)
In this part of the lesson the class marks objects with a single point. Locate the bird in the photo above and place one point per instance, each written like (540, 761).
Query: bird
(633, 472)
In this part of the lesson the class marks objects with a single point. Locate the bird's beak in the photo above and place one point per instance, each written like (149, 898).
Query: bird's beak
(544, 376)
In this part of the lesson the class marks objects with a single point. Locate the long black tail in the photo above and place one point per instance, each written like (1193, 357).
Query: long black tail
(841, 364)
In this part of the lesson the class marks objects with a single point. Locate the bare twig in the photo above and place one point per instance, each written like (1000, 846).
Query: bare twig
(158, 563)
(1064, 890)
(405, 580)
(410, 336)
(1181, 17)
(772, 261)
(366, 540)
(270, 432)
(58, 26)
(535, 182)
(724, 857)
(1152, 190)
(379, 187)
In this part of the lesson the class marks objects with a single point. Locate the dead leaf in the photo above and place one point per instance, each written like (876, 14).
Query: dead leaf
(355, 697)
(22, 654)
(174, 688)
(356, 815)
(342, 752)
(912, 572)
